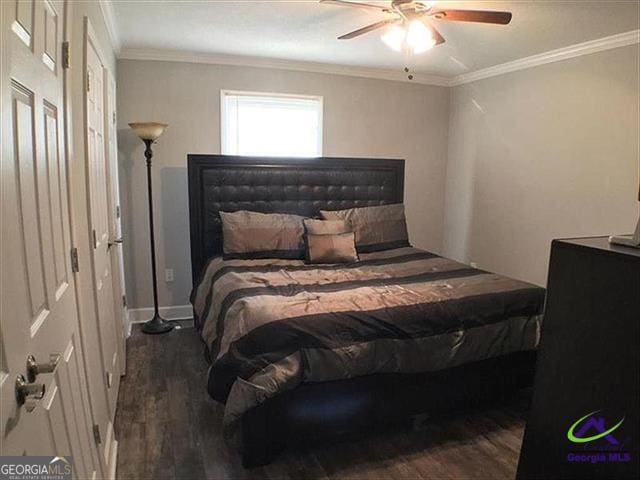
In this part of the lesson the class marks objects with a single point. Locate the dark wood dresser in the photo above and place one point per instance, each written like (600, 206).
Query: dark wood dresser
(588, 376)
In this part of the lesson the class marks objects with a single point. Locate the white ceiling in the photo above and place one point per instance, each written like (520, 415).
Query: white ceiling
(304, 30)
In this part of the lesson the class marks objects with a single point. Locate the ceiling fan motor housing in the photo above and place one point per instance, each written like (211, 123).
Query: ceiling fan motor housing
(408, 8)
(397, 3)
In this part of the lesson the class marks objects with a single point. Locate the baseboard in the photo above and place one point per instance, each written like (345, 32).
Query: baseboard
(126, 323)
(174, 312)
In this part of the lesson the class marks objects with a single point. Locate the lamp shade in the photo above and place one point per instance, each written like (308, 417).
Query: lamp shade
(148, 130)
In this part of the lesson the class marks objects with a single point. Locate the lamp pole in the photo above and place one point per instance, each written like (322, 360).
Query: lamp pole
(148, 133)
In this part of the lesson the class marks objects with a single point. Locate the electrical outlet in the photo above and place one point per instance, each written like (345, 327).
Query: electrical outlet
(168, 275)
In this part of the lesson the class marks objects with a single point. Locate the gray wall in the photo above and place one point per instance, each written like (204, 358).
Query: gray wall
(495, 168)
(539, 154)
(362, 118)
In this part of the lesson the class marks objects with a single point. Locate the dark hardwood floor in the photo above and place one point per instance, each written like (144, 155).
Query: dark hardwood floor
(168, 427)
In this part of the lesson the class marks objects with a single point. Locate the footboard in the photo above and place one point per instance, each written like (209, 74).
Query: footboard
(330, 410)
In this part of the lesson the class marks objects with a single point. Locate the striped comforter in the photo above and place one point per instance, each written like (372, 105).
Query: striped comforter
(271, 325)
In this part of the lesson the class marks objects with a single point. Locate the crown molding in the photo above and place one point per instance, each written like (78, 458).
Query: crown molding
(259, 62)
(572, 51)
(110, 21)
(565, 53)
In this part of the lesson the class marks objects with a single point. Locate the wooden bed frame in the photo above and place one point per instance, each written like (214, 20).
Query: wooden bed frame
(329, 409)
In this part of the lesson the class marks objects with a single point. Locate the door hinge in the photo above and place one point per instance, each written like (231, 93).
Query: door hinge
(65, 54)
(88, 86)
(124, 300)
(96, 434)
(95, 239)
(117, 211)
(114, 117)
(75, 267)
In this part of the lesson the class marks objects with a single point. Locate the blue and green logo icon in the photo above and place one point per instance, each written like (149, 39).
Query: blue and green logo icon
(582, 431)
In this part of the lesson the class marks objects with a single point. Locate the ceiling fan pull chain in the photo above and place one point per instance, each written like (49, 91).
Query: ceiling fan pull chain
(409, 64)
(407, 70)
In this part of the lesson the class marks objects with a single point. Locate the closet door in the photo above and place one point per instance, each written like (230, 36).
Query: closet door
(98, 190)
(115, 227)
(44, 402)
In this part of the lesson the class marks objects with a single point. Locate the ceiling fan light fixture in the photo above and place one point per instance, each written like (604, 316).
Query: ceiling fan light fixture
(395, 38)
(419, 37)
(415, 37)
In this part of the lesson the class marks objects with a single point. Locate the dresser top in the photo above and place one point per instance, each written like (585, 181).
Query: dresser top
(600, 243)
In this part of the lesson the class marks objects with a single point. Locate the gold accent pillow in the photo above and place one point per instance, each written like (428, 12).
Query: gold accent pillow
(332, 248)
(377, 228)
(326, 227)
(262, 235)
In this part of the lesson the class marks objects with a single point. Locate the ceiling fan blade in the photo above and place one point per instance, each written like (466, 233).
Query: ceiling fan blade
(367, 29)
(480, 16)
(344, 3)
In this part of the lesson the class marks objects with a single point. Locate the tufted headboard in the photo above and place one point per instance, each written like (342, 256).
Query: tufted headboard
(285, 185)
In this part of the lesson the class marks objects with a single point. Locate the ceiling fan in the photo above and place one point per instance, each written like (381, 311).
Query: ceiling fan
(410, 22)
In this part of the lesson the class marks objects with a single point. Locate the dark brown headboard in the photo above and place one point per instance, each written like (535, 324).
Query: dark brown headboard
(284, 185)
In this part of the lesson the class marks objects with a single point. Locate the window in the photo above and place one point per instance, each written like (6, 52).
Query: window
(267, 124)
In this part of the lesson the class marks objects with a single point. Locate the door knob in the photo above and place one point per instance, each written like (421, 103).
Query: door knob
(28, 394)
(34, 368)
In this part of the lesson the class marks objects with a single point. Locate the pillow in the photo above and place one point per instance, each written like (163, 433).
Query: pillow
(377, 228)
(262, 235)
(332, 248)
(325, 227)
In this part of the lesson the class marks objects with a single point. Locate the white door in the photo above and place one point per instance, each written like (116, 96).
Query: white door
(115, 227)
(39, 315)
(99, 220)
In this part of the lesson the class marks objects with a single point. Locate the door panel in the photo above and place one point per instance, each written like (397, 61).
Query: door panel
(23, 21)
(67, 376)
(50, 34)
(57, 203)
(24, 148)
(39, 314)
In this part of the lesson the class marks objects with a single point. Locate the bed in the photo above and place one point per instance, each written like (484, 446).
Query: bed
(301, 350)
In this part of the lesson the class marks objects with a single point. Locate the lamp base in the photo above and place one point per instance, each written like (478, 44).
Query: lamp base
(632, 241)
(157, 325)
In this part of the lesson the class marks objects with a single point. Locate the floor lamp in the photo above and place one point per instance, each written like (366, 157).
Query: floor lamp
(149, 133)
